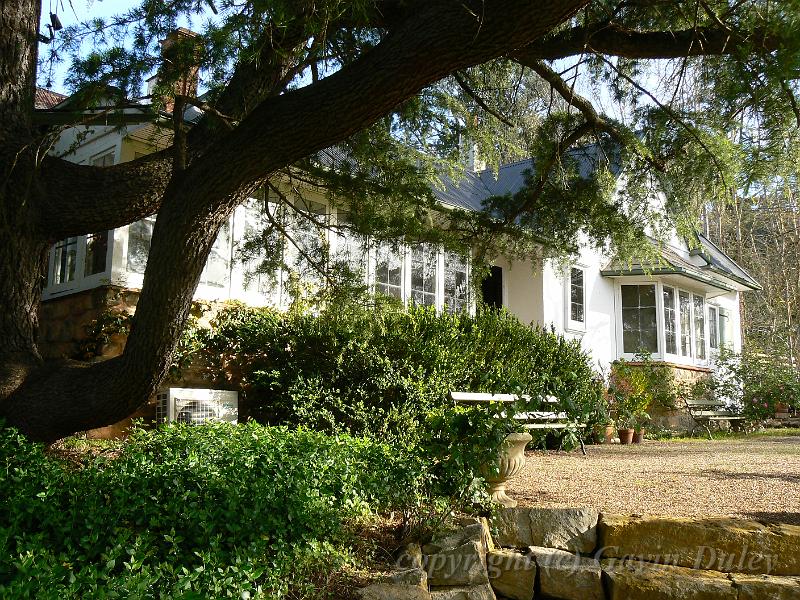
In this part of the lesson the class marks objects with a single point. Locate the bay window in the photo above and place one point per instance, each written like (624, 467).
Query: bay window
(456, 283)
(639, 326)
(685, 323)
(667, 322)
(65, 260)
(670, 326)
(713, 328)
(699, 327)
(389, 270)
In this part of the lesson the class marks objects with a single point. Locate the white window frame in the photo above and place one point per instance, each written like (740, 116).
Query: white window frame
(570, 325)
(713, 309)
(80, 282)
(662, 354)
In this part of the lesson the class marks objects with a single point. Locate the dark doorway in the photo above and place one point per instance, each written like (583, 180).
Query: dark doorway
(492, 288)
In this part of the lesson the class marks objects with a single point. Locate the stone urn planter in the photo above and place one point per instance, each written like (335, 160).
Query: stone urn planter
(510, 462)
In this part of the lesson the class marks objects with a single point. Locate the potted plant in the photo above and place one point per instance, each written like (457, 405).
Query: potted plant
(629, 390)
(625, 427)
(640, 421)
(608, 432)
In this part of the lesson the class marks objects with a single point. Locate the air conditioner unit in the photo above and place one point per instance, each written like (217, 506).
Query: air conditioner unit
(196, 406)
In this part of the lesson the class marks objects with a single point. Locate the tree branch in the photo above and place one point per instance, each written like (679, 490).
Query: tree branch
(412, 56)
(617, 40)
(462, 83)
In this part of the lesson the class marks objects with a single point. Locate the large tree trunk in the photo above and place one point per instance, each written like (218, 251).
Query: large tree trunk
(53, 400)
(22, 252)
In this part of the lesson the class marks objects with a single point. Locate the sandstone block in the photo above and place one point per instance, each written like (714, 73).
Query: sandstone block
(472, 592)
(467, 530)
(393, 591)
(568, 576)
(417, 577)
(464, 565)
(411, 557)
(636, 580)
(727, 545)
(767, 587)
(573, 529)
(511, 574)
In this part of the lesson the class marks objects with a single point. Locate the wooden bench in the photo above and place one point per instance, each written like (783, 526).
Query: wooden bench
(531, 420)
(703, 412)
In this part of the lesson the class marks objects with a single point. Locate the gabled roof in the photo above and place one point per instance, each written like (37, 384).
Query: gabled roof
(720, 271)
(719, 262)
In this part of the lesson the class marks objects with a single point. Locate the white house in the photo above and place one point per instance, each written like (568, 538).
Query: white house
(682, 310)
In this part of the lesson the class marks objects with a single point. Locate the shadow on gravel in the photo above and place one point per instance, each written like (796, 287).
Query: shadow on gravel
(793, 518)
(717, 474)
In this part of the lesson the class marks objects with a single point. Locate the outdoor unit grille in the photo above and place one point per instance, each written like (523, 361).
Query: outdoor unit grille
(196, 406)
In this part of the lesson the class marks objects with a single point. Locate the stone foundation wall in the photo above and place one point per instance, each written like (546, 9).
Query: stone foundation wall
(63, 333)
(63, 321)
(677, 419)
(578, 554)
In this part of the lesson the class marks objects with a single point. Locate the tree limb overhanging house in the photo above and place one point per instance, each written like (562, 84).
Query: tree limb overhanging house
(681, 307)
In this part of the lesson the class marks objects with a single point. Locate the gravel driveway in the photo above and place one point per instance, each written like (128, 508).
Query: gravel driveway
(757, 478)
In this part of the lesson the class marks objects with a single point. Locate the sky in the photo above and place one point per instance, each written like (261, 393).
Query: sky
(74, 11)
(70, 12)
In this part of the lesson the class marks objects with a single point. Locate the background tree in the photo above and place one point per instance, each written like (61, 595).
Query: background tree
(762, 233)
(390, 80)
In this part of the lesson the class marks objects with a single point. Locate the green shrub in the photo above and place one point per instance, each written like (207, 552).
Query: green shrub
(195, 512)
(752, 383)
(381, 373)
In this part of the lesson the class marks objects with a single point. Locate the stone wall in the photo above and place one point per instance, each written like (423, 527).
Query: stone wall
(578, 554)
(677, 419)
(63, 321)
(64, 331)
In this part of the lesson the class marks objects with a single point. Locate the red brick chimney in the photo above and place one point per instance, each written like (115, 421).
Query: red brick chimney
(180, 61)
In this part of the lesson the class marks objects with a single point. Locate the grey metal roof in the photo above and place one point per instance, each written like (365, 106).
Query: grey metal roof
(723, 264)
(473, 189)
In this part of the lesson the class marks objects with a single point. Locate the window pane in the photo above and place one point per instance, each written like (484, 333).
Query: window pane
(308, 235)
(66, 252)
(96, 251)
(139, 236)
(456, 284)
(713, 331)
(104, 161)
(699, 327)
(217, 270)
(351, 248)
(670, 335)
(423, 274)
(684, 299)
(639, 330)
(258, 227)
(725, 331)
(388, 270)
(576, 295)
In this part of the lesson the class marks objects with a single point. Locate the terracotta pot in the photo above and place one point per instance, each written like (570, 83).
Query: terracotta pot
(625, 436)
(510, 461)
(638, 436)
(608, 434)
